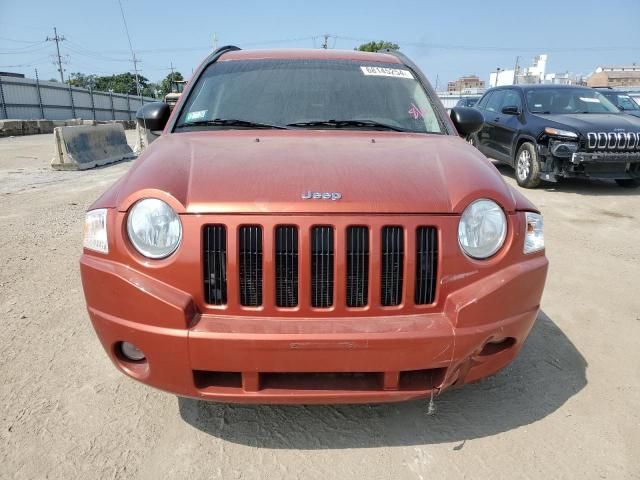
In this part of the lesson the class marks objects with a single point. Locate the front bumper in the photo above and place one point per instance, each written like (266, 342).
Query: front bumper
(311, 360)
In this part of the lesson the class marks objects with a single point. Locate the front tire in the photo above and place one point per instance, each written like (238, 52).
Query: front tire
(527, 166)
(628, 182)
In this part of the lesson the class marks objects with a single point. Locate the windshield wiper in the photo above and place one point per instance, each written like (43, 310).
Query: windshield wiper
(228, 122)
(367, 124)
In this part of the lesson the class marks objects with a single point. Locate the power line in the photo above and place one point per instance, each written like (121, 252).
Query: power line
(58, 39)
(133, 54)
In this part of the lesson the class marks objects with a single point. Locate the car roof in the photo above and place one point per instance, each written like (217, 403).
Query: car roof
(309, 54)
(539, 86)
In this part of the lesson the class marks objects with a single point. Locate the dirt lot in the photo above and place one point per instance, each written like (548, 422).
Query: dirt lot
(568, 407)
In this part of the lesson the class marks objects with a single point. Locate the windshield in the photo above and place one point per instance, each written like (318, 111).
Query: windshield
(568, 100)
(318, 94)
(623, 101)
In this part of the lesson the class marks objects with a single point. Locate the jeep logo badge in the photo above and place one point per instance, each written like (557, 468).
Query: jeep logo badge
(309, 195)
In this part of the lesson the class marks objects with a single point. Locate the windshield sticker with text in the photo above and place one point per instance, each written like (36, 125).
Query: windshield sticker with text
(195, 116)
(386, 72)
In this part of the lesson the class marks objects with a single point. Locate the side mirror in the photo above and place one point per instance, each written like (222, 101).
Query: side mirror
(153, 116)
(511, 110)
(467, 120)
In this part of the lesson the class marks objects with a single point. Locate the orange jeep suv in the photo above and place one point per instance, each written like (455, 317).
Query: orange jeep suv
(310, 227)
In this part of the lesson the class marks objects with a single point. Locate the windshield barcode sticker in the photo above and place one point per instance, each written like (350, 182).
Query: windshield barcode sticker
(386, 72)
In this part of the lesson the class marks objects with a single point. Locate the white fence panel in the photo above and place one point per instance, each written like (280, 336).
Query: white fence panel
(25, 99)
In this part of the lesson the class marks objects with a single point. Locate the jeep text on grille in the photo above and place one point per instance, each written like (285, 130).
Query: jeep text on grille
(327, 237)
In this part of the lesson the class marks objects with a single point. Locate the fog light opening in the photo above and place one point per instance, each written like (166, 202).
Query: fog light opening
(131, 352)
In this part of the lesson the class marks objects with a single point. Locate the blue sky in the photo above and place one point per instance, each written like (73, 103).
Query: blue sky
(446, 39)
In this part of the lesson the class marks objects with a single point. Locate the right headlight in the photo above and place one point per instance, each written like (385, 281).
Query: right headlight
(482, 229)
(533, 235)
(154, 229)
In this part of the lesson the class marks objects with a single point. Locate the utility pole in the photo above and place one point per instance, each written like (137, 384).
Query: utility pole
(325, 43)
(215, 41)
(58, 39)
(135, 69)
(172, 74)
(515, 71)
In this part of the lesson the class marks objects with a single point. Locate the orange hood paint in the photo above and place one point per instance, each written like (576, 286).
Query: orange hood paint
(240, 171)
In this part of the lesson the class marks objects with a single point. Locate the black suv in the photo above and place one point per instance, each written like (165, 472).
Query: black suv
(550, 131)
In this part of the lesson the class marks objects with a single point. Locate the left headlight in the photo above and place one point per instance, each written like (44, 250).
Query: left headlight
(95, 231)
(154, 229)
(482, 229)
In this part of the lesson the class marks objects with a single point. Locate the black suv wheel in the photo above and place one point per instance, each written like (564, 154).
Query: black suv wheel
(527, 166)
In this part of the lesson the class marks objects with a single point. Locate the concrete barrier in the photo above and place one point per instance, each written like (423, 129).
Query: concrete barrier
(83, 147)
(144, 139)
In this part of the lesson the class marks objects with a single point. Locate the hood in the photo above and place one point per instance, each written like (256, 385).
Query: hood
(242, 171)
(594, 122)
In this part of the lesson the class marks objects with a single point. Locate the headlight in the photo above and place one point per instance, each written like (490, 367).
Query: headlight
(560, 133)
(482, 229)
(533, 235)
(95, 231)
(154, 228)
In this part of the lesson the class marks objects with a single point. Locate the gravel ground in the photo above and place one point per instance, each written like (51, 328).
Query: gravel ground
(568, 407)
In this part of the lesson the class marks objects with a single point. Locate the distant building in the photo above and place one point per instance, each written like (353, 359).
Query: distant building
(615, 76)
(564, 79)
(466, 84)
(532, 74)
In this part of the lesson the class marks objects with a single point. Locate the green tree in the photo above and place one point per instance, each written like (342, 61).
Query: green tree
(81, 80)
(121, 83)
(152, 90)
(165, 85)
(375, 46)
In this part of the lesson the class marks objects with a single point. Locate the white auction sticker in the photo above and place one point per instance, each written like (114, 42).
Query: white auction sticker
(386, 72)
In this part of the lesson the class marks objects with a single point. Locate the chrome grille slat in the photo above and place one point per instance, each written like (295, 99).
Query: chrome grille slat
(426, 265)
(286, 258)
(391, 275)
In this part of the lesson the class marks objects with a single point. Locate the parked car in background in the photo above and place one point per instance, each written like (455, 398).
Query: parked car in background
(467, 101)
(311, 228)
(549, 132)
(622, 100)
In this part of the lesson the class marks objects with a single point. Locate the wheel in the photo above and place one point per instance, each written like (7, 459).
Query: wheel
(628, 182)
(527, 166)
